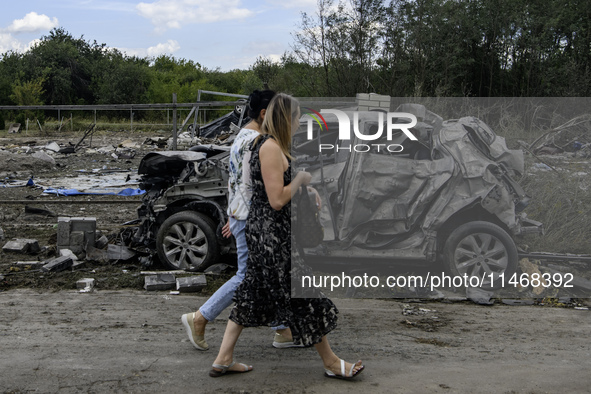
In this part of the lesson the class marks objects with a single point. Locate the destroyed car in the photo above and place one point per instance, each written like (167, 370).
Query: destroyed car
(448, 197)
(184, 206)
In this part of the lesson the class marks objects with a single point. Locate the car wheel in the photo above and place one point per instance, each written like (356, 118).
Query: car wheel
(187, 240)
(481, 249)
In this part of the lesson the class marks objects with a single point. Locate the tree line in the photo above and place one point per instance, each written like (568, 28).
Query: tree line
(478, 48)
(458, 48)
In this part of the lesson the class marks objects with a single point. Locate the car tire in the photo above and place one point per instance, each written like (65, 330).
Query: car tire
(187, 240)
(479, 249)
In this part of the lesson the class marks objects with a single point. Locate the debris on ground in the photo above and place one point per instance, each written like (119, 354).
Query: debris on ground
(480, 296)
(191, 284)
(415, 310)
(573, 136)
(57, 264)
(422, 318)
(75, 233)
(85, 285)
(514, 302)
(39, 211)
(30, 246)
(14, 128)
(159, 282)
(119, 252)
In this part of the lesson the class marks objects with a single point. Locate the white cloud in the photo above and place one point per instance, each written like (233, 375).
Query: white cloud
(31, 23)
(32, 44)
(172, 14)
(274, 58)
(168, 47)
(9, 43)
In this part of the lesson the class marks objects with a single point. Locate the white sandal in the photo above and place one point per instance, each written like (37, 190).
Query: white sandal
(329, 374)
(225, 369)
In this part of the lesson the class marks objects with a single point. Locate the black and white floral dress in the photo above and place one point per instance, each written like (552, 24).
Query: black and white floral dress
(264, 297)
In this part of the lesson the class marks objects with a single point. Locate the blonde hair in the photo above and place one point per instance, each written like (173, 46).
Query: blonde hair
(280, 113)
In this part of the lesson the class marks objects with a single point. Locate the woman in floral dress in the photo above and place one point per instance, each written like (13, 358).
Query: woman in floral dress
(264, 297)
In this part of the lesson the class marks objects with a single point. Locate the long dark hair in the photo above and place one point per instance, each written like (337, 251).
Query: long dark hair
(257, 101)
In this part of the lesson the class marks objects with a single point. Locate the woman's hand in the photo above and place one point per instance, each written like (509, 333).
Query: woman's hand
(226, 233)
(303, 178)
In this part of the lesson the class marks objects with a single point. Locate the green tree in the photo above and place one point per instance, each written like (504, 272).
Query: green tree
(28, 93)
(121, 80)
(65, 64)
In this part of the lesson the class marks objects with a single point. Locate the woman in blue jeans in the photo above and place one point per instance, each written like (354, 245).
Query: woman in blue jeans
(238, 207)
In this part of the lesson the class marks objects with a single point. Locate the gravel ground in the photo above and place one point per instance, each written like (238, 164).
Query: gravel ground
(132, 341)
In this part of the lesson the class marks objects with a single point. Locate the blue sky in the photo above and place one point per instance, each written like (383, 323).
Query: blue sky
(223, 34)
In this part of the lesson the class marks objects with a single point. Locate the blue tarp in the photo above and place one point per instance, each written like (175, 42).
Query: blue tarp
(75, 192)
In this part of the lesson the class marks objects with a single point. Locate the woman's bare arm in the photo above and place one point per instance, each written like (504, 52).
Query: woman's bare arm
(272, 169)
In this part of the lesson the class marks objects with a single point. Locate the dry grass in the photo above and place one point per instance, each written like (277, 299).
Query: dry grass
(562, 201)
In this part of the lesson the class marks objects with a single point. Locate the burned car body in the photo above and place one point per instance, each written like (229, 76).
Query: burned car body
(184, 206)
(448, 197)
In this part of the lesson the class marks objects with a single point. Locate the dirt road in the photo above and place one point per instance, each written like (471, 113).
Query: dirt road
(132, 341)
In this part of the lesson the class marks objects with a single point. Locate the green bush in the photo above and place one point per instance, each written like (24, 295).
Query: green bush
(20, 118)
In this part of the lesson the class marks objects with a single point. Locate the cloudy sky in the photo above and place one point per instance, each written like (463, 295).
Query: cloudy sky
(215, 33)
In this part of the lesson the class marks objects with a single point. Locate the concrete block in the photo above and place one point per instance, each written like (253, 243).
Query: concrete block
(362, 96)
(366, 103)
(58, 264)
(363, 108)
(379, 97)
(68, 253)
(385, 104)
(191, 284)
(85, 285)
(63, 232)
(44, 156)
(76, 233)
(22, 245)
(159, 282)
(75, 243)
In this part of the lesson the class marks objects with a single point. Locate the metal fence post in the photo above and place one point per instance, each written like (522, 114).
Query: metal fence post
(174, 136)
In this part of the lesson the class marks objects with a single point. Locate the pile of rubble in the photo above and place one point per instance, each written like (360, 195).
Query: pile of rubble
(187, 140)
(80, 243)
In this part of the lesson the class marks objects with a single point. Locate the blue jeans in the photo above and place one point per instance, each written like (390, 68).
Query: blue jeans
(222, 298)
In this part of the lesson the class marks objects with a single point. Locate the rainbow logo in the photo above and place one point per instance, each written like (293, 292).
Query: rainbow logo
(316, 115)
